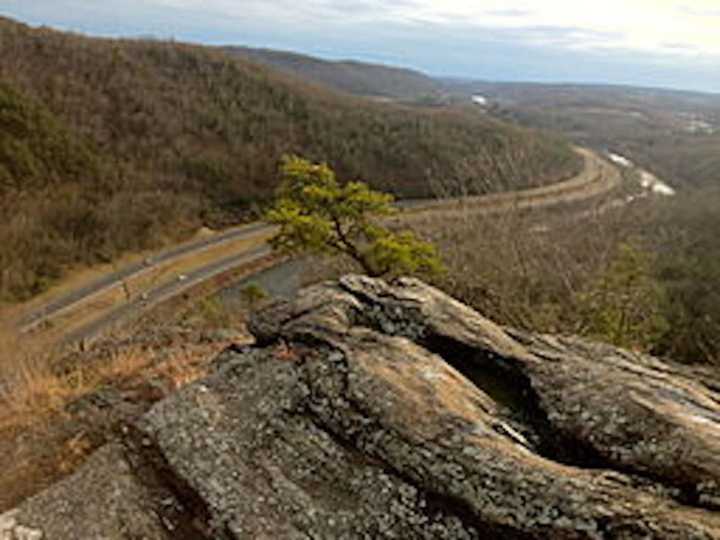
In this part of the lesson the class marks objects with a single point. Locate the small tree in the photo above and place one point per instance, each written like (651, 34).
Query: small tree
(624, 306)
(317, 214)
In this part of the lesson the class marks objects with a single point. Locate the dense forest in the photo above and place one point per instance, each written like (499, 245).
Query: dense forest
(108, 146)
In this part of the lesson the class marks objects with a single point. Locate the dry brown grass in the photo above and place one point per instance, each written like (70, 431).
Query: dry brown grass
(49, 419)
(8, 343)
(21, 365)
(36, 385)
(38, 388)
(34, 392)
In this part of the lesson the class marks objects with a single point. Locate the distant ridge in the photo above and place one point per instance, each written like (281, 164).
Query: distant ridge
(352, 77)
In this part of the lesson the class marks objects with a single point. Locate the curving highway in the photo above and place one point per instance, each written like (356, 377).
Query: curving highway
(71, 300)
(598, 177)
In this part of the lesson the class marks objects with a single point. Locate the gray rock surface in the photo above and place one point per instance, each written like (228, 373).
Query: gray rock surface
(103, 500)
(375, 410)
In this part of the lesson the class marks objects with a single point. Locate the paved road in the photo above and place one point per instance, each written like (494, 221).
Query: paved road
(114, 279)
(165, 292)
(597, 177)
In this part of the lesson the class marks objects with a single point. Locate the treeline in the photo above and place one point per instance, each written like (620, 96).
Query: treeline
(686, 160)
(110, 145)
(687, 248)
(357, 78)
(678, 236)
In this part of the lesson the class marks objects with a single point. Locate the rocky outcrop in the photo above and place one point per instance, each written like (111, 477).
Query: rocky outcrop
(376, 410)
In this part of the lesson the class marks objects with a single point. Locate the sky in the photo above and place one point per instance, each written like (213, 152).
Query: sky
(666, 43)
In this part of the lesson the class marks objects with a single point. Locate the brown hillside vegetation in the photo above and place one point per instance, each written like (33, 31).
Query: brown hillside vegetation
(108, 146)
(675, 135)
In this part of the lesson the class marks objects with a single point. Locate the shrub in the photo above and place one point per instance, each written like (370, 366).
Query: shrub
(625, 305)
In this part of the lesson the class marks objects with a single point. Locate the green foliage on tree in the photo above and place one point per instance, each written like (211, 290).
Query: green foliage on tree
(318, 214)
(625, 305)
(36, 148)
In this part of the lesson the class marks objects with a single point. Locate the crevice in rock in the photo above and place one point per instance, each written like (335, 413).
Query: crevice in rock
(437, 506)
(182, 511)
(505, 382)
(266, 326)
(502, 379)
(401, 319)
(349, 424)
(499, 377)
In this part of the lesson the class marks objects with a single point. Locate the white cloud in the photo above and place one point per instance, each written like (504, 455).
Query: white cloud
(676, 27)
(649, 25)
(672, 43)
(670, 26)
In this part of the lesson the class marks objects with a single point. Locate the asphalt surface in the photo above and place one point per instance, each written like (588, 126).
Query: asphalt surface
(597, 177)
(55, 307)
(165, 292)
(280, 281)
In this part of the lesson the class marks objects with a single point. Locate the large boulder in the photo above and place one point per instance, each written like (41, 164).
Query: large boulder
(376, 410)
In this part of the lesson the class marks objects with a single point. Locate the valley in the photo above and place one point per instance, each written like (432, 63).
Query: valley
(670, 133)
(247, 292)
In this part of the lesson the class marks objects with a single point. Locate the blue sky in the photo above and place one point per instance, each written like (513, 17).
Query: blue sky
(671, 43)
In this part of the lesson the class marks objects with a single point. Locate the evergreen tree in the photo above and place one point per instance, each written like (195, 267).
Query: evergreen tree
(318, 214)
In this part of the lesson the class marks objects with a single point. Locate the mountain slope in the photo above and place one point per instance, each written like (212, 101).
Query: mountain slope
(176, 136)
(36, 149)
(347, 76)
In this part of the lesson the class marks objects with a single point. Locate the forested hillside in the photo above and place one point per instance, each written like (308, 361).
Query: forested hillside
(674, 134)
(108, 146)
(358, 78)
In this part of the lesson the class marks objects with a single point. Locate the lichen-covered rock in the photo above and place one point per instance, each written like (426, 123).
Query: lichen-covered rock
(103, 500)
(376, 410)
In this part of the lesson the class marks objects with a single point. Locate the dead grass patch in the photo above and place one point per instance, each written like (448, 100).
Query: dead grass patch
(56, 409)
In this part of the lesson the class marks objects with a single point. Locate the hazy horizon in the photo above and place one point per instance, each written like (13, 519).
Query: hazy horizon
(670, 45)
